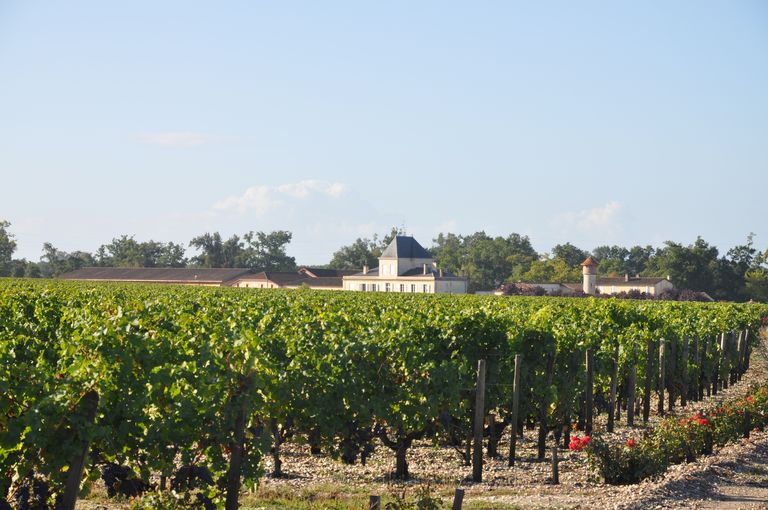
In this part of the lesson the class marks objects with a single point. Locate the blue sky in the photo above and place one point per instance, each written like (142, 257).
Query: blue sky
(590, 122)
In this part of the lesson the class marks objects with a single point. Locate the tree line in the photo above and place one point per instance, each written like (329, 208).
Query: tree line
(259, 251)
(487, 262)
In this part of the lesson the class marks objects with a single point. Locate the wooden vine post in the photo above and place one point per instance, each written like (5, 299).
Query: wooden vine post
(458, 499)
(696, 386)
(724, 368)
(671, 371)
(747, 350)
(732, 348)
(631, 386)
(684, 373)
(739, 355)
(589, 391)
(515, 410)
(88, 406)
(715, 369)
(555, 467)
(662, 371)
(614, 383)
(237, 446)
(374, 503)
(647, 387)
(477, 453)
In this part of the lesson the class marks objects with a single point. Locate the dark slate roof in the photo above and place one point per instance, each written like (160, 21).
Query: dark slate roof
(633, 280)
(405, 247)
(278, 277)
(156, 274)
(320, 272)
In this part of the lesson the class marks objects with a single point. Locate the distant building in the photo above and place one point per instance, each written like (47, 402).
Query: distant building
(210, 277)
(314, 278)
(405, 266)
(592, 284)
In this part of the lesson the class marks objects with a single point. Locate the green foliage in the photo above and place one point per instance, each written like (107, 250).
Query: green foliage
(486, 261)
(7, 247)
(422, 500)
(362, 252)
(677, 440)
(174, 367)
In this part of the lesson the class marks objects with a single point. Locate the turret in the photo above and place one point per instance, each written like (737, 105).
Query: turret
(589, 272)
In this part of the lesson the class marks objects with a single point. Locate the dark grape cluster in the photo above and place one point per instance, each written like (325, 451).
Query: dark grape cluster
(121, 480)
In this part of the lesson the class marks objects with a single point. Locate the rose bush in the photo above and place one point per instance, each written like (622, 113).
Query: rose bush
(675, 440)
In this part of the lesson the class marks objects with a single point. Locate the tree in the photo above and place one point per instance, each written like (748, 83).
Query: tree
(612, 260)
(449, 252)
(572, 255)
(362, 252)
(486, 261)
(7, 247)
(689, 267)
(266, 252)
(59, 262)
(172, 255)
(356, 255)
(215, 252)
(756, 279)
(552, 270)
(125, 251)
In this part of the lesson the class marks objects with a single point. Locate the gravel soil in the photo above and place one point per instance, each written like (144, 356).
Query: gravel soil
(736, 476)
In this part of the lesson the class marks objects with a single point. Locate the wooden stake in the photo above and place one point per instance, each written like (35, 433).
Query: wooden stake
(515, 407)
(671, 371)
(614, 383)
(662, 375)
(88, 405)
(589, 391)
(696, 389)
(631, 384)
(374, 503)
(684, 373)
(458, 499)
(555, 467)
(647, 387)
(477, 453)
(236, 451)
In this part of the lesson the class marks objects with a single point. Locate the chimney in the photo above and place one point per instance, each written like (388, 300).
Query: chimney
(424, 269)
(441, 272)
(365, 268)
(626, 277)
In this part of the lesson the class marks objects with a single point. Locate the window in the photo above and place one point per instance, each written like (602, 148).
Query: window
(387, 287)
(402, 287)
(426, 288)
(362, 287)
(413, 287)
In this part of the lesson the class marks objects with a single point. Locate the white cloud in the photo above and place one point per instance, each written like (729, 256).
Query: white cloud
(262, 199)
(303, 189)
(599, 219)
(177, 139)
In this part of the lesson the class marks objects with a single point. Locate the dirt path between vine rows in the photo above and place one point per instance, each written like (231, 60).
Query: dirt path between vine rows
(735, 477)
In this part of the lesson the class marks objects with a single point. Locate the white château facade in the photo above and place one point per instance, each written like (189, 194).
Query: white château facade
(405, 266)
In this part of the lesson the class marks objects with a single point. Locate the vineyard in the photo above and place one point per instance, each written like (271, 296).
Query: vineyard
(191, 388)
